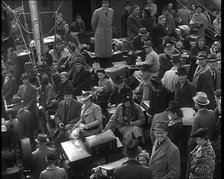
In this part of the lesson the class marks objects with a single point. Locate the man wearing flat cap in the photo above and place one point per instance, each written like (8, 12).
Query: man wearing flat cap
(131, 168)
(128, 119)
(202, 164)
(165, 157)
(204, 118)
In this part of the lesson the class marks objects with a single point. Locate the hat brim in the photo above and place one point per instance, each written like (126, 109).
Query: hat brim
(85, 98)
(202, 104)
(168, 109)
(36, 140)
(143, 34)
(180, 73)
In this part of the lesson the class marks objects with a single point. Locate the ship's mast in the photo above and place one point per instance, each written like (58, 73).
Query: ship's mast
(36, 29)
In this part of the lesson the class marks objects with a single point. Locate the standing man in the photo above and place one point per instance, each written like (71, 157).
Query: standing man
(165, 157)
(133, 23)
(132, 168)
(124, 17)
(102, 26)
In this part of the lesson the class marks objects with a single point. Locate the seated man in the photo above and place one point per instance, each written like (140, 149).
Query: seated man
(138, 41)
(80, 77)
(67, 114)
(128, 119)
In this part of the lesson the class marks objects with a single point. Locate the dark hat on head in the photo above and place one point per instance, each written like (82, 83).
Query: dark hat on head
(126, 97)
(146, 68)
(201, 132)
(42, 138)
(218, 93)
(212, 58)
(147, 43)
(127, 3)
(67, 91)
(176, 58)
(165, 8)
(201, 98)
(156, 82)
(79, 60)
(143, 31)
(181, 71)
(25, 76)
(132, 148)
(119, 79)
(161, 126)
(173, 105)
(101, 70)
(86, 95)
(52, 156)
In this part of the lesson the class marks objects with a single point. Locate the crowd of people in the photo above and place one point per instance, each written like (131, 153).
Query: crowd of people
(180, 69)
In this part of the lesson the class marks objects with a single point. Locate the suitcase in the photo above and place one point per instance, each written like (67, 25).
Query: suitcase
(102, 143)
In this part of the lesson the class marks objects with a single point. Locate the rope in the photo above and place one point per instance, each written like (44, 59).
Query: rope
(55, 22)
(209, 28)
(32, 52)
(23, 37)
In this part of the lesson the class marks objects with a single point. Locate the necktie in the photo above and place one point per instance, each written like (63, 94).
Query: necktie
(157, 145)
(106, 13)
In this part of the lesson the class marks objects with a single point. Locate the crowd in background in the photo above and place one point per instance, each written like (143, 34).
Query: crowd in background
(180, 68)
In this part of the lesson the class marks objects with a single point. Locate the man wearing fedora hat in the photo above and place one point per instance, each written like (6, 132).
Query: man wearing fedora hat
(38, 156)
(90, 122)
(165, 157)
(170, 77)
(66, 116)
(131, 168)
(124, 17)
(27, 93)
(202, 164)
(144, 89)
(184, 90)
(204, 118)
(138, 41)
(165, 59)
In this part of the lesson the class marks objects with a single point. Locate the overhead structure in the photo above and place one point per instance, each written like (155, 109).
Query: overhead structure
(36, 29)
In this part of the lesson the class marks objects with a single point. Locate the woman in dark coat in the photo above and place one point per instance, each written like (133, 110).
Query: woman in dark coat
(64, 84)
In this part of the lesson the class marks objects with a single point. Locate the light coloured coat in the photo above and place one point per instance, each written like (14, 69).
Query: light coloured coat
(102, 26)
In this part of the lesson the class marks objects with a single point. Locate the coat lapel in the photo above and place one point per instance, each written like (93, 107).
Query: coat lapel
(161, 151)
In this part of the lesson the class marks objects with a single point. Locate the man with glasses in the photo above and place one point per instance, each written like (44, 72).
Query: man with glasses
(165, 157)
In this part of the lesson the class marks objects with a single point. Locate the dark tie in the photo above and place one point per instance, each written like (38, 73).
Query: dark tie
(106, 13)
(213, 77)
(157, 145)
